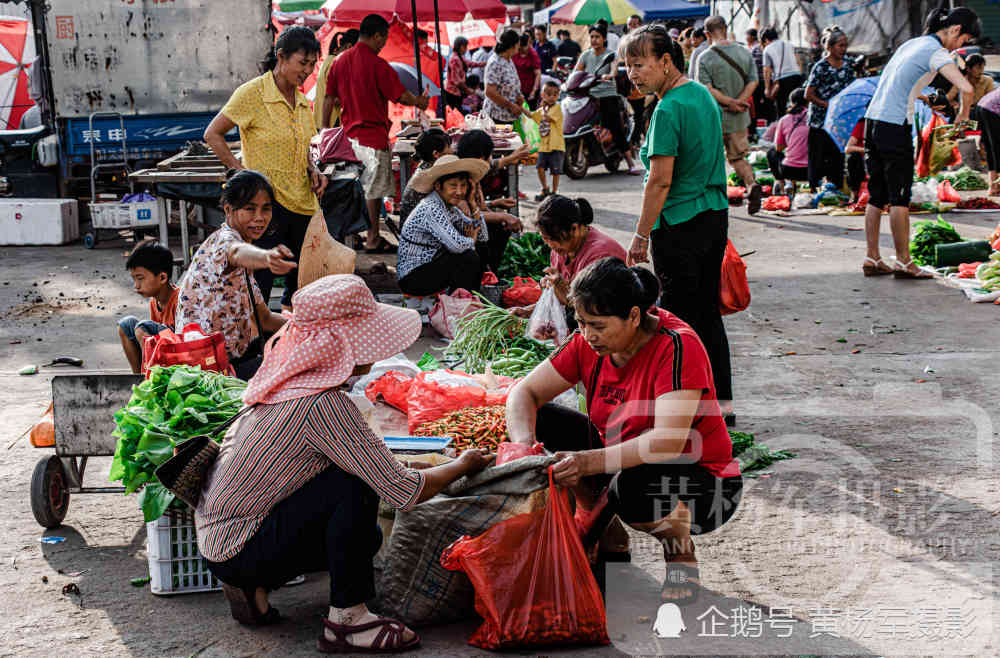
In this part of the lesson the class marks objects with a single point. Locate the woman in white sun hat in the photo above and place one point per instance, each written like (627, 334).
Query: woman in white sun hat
(298, 479)
(437, 247)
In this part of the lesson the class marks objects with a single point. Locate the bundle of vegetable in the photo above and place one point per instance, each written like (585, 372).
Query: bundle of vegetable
(929, 234)
(483, 335)
(989, 273)
(965, 179)
(473, 427)
(172, 406)
(526, 255)
(754, 456)
(520, 357)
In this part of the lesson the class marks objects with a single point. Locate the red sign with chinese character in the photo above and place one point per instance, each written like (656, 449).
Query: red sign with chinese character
(65, 28)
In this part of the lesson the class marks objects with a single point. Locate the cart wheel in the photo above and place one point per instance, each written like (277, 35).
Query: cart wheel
(89, 240)
(49, 495)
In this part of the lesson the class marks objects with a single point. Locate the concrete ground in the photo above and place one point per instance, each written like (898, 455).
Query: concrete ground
(879, 539)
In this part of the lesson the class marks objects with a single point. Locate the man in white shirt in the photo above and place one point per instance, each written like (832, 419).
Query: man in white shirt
(782, 74)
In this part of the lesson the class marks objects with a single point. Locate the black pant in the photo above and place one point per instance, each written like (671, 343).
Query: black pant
(889, 162)
(776, 161)
(989, 123)
(785, 87)
(639, 120)
(763, 108)
(612, 119)
(855, 171)
(825, 159)
(446, 272)
(645, 493)
(491, 252)
(287, 228)
(452, 100)
(687, 259)
(329, 524)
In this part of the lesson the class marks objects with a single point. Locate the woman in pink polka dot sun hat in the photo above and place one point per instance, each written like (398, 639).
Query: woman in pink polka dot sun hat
(337, 327)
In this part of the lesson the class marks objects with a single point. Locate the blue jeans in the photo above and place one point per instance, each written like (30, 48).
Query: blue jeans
(130, 323)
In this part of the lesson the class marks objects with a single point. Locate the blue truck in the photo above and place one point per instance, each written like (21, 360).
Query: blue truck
(132, 80)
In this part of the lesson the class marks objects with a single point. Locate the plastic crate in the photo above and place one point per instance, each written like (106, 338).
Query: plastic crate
(125, 215)
(175, 564)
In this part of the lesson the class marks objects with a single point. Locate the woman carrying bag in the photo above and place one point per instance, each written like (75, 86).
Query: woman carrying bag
(218, 292)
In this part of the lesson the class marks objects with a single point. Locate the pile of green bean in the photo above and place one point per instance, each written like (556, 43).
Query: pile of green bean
(493, 337)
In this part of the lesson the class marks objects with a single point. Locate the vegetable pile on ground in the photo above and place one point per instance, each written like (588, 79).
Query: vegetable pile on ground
(988, 273)
(525, 255)
(475, 427)
(978, 203)
(172, 406)
(493, 337)
(754, 456)
(929, 234)
(966, 180)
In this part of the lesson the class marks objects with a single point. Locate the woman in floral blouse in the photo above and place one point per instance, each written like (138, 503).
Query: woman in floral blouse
(215, 292)
(504, 101)
(829, 77)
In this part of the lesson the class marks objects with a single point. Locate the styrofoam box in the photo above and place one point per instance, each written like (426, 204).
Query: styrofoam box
(175, 564)
(125, 215)
(38, 221)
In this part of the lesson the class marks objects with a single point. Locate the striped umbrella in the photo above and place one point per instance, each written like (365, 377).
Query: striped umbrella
(587, 12)
(297, 5)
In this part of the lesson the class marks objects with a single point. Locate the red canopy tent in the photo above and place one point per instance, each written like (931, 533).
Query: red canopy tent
(17, 52)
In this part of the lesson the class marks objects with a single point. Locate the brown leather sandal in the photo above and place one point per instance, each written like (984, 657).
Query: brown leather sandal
(388, 640)
(873, 267)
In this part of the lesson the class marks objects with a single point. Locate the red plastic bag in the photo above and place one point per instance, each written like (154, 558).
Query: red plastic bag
(533, 584)
(947, 193)
(454, 119)
(508, 452)
(524, 292)
(776, 203)
(449, 309)
(170, 349)
(438, 392)
(863, 195)
(489, 279)
(735, 194)
(393, 388)
(734, 289)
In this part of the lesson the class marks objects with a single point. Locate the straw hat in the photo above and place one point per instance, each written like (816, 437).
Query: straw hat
(423, 181)
(337, 325)
(321, 254)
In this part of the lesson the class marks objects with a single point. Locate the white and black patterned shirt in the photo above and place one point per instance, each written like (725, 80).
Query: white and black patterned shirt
(430, 227)
(501, 72)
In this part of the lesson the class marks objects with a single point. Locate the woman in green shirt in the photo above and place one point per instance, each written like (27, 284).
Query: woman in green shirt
(603, 64)
(684, 206)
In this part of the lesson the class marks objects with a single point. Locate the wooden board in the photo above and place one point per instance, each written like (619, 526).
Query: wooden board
(83, 409)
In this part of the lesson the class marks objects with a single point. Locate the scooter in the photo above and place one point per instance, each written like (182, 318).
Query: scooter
(587, 142)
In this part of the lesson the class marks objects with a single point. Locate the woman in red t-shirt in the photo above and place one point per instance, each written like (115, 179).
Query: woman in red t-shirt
(655, 446)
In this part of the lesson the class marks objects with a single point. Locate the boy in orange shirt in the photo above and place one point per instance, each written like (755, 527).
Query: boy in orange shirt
(552, 150)
(150, 265)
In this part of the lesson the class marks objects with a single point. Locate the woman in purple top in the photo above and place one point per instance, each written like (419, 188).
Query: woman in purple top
(989, 124)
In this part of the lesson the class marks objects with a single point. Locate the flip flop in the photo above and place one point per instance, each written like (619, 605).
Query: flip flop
(384, 247)
(243, 607)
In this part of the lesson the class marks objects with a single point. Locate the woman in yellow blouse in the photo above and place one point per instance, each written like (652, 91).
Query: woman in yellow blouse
(276, 125)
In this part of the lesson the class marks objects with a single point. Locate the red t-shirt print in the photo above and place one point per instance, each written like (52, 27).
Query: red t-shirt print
(623, 401)
(364, 83)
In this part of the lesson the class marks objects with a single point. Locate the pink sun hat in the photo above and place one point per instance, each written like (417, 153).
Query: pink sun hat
(337, 325)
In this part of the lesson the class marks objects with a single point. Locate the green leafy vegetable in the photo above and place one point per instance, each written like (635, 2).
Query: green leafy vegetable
(929, 234)
(965, 179)
(173, 405)
(428, 362)
(526, 255)
(754, 456)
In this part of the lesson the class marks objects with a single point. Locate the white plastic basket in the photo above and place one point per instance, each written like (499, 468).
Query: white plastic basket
(175, 564)
(125, 215)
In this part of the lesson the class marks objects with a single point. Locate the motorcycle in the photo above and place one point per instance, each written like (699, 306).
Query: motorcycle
(588, 143)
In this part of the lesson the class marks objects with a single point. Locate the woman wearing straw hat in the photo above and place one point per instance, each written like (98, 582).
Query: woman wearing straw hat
(437, 247)
(297, 483)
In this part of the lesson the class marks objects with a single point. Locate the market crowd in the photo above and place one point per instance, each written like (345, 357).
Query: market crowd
(297, 484)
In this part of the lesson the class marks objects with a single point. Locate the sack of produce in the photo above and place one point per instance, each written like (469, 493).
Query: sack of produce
(392, 388)
(411, 584)
(321, 254)
(777, 203)
(533, 583)
(548, 320)
(449, 309)
(190, 347)
(524, 292)
(947, 193)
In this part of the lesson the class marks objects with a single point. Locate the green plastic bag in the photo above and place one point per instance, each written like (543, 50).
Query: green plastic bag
(528, 130)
